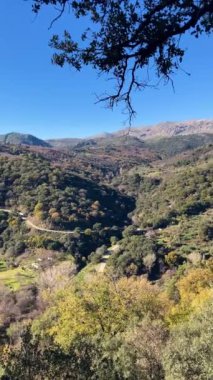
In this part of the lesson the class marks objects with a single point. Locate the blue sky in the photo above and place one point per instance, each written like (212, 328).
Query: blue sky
(39, 98)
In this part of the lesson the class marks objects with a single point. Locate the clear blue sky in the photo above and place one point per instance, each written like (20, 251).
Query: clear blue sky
(39, 98)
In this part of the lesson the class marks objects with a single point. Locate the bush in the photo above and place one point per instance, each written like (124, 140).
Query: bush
(189, 352)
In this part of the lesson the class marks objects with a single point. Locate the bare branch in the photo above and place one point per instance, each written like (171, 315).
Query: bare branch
(58, 16)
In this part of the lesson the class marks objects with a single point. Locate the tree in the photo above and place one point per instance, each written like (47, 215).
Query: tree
(125, 37)
(144, 345)
(188, 354)
(100, 308)
(35, 359)
(195, 289)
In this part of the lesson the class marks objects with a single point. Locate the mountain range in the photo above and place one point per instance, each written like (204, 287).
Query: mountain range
(161, 130)
(138, 135)
(171, 129)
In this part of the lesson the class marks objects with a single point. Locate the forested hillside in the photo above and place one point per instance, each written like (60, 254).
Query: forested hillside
(172, 221)
(57, 196)
(106, 261)
(22, 139)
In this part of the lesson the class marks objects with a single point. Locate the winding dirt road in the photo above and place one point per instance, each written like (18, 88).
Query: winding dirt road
(100, 267)
(32, 225)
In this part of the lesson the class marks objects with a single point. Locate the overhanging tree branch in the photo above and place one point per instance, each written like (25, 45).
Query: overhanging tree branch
(128, 36)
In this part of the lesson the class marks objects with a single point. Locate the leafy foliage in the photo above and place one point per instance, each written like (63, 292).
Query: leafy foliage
(58, 196)
(189, 350)
(125, 37)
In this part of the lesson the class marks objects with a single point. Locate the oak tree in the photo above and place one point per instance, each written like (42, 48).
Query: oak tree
(128, 38)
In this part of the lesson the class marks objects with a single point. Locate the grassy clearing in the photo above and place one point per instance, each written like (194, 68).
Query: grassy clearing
(15, 278)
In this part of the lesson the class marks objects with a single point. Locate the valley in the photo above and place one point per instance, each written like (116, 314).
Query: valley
(95, 235)
(79, 198)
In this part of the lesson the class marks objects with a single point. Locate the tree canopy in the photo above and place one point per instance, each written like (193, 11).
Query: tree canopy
(127, 38)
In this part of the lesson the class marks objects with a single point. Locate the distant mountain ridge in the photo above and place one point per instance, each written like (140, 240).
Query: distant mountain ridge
(170, 129)
(22, 139)
(64, 142)
(161, 130)
(158, 131)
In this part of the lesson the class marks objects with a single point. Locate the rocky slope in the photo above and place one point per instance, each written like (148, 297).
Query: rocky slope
(161, 130)
(170, 129)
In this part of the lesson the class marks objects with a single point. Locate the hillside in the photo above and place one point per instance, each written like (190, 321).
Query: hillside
(171, 129)
(58, 196)
(172, 221)
(22, 139)
(111, 154)
(124, 293)
(99, 184)
(63, 143)
(161, 130)
(171, 146)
